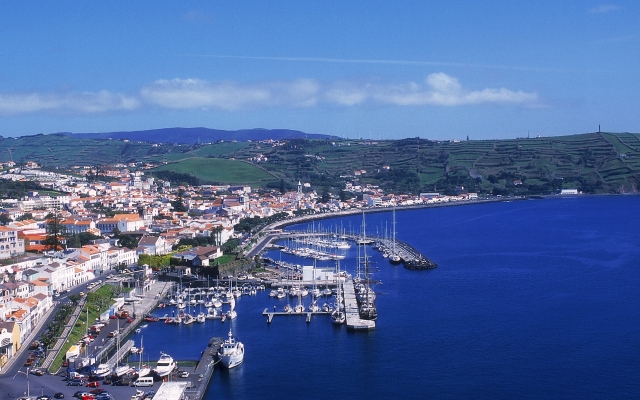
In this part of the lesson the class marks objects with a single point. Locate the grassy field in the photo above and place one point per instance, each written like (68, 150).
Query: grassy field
(221, 171)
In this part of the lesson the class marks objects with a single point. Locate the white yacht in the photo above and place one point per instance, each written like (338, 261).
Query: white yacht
(144, 370)
(211, 313)
(122, 369)
(165, 365)
(231, 353)
(201, 317)
(103, 370)
(338, 317)
(188, 319)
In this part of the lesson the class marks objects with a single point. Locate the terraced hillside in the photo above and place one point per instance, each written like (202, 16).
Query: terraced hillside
(592, 162)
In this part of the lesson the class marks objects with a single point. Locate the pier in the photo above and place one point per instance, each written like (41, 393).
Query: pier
(271, 314)
(204, 370)
(354, 322)
(124, 351)
(410, 257)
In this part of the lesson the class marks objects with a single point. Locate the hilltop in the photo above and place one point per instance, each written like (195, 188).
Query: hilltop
(199, 135)
(592, 162)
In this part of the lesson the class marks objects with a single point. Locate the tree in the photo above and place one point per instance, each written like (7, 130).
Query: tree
(55, 232)
(178, 205)
(216, 233)
(25, 217)
(5, 219)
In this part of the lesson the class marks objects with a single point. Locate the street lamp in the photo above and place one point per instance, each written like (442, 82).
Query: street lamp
(27, 374)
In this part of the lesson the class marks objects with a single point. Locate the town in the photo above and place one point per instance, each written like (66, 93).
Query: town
(52, 242)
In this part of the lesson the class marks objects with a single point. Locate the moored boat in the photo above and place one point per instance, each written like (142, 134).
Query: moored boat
(165, 365)
(231, 353)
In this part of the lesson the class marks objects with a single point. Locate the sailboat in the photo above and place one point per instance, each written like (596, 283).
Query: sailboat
(394, 257)
(143, 370)
(232, 314)
(122, 368)
(337, 315)
(367, 299)
(299, 308)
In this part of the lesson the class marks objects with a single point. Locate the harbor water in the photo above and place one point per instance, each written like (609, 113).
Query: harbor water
(531, 299)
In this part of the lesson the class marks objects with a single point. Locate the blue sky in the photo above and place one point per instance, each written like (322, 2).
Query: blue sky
(380, 69)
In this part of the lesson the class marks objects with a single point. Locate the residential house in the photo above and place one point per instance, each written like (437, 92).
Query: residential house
(10, 244)
(154, 245)
(10, 341)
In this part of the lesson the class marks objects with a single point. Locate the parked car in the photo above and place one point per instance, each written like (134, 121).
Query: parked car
(93, 384)
(59, 395)
(183, 374)
(75, 382)
(37, 372)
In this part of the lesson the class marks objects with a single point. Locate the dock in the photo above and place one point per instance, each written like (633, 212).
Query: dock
(354, 322)
(195, 385)
(307, 314)
(125, 349)
(204, 370)
(411, 258)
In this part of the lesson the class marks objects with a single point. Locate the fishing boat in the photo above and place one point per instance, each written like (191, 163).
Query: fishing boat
(165, 365)
(231, 353)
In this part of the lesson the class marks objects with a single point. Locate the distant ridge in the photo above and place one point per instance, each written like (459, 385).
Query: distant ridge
(202, 135)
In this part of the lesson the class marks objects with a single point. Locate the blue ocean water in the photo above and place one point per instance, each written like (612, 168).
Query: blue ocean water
(532, 299)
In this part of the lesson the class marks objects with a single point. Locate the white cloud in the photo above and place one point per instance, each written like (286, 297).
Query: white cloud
(604, 8)
(64, 103)
(196, 93)
(439, 89)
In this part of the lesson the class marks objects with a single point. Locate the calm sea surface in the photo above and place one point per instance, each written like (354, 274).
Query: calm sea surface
(532, 299)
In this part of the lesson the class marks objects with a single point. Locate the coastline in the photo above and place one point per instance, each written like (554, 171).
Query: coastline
(265, 238)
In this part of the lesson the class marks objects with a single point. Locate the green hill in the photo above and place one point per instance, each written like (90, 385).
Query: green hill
(220, 171)
(591, 162)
